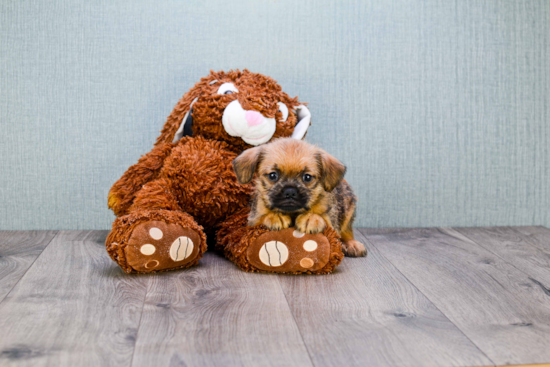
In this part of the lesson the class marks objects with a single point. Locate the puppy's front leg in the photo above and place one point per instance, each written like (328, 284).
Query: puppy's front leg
(276, 221)
(310, 223)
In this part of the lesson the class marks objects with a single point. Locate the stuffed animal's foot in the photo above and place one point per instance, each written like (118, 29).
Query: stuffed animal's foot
(150, 241)
(286, 251)
(289, 251)
(156, 245)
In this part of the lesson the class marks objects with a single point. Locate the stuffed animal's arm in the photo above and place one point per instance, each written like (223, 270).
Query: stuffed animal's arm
(155, 195)
(123, 192)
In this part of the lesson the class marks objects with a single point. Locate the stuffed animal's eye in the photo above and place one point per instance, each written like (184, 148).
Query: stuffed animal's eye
(307, 177)
(273, 176)
(227, 88)
(284, 110)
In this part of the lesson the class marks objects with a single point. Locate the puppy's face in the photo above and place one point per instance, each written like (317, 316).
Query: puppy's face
(291, 175)
(288, 177)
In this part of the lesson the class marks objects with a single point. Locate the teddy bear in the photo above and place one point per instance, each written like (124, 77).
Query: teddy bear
(184, 192)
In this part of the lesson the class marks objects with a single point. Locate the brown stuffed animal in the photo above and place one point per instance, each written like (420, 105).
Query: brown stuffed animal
(185, 188)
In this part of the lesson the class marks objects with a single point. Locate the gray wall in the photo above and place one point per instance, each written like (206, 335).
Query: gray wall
(439, 108)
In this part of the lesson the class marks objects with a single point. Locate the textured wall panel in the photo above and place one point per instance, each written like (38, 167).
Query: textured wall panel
(439, 108)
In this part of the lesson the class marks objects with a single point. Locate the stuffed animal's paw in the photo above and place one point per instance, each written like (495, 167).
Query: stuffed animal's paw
(289, 251)
(156, 245)
(113, 202)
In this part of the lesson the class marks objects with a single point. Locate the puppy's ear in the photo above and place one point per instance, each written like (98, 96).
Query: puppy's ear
(245, 164)
(332, 170)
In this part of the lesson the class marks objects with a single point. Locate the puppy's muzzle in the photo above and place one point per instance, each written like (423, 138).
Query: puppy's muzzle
(289, 199)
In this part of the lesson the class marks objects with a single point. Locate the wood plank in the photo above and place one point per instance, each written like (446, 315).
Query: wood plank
(367, 313)
(515, 248)
(537, 235)
(217, 315)
(496, 305)
(73, 307)
(18, 250)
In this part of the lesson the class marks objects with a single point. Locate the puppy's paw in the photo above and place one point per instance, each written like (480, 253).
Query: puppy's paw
(354, 248)
(310, 223)
(276, 221)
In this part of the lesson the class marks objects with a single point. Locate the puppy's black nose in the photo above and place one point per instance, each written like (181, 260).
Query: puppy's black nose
(290, 193)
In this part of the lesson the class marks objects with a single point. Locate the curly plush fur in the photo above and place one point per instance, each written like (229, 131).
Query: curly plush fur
(190, 182)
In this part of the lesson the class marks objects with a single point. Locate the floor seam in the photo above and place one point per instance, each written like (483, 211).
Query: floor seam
(30, 266)
(497, 255)
(139, 323)
(428, 298)
(361, 279)
(528, 240)
(294, 319)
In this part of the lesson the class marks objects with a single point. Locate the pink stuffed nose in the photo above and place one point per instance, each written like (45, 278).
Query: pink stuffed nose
(254, 118)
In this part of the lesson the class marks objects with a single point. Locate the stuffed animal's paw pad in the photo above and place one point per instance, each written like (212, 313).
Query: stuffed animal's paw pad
(181, 248)
(273, 253)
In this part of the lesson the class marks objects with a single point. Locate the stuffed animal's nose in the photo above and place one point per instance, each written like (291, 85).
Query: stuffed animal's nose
(254, 118)
(290, 193)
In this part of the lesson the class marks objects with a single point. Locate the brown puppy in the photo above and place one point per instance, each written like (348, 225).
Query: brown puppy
(299, 184)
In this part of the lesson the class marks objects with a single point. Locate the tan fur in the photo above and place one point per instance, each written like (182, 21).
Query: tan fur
(276, 221)
(310, 222)
(246, 164)
(331, 202)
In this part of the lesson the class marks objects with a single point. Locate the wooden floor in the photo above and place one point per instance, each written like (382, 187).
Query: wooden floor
(422, 297)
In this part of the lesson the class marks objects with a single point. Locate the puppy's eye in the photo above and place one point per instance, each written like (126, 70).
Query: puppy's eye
(227, 88)
(307, 177)
(273, 176)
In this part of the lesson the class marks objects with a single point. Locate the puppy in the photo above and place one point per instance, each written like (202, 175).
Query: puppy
(299, 184)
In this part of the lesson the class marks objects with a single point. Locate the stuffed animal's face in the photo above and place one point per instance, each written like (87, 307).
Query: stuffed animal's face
(243, 109)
